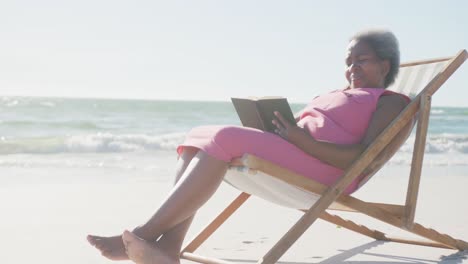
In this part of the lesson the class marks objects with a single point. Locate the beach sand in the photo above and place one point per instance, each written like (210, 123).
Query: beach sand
(47, 213)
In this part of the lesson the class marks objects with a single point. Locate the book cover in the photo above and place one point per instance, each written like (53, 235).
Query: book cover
(259, 112)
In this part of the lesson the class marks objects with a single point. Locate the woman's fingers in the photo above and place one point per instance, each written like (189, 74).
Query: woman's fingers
(277, 124)
(281, 129)
(283, 121)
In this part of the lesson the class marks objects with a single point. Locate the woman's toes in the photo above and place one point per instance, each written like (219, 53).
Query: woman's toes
(137, 249)
(128, 238)
(91, 239)
(110, 247)
(95, 241)
(132, 243)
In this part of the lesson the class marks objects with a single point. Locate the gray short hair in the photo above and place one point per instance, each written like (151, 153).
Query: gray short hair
(385, 45)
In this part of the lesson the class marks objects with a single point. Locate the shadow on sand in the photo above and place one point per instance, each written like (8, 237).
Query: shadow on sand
(343, 257)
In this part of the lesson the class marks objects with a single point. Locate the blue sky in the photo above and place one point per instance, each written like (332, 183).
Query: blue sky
(211, 50)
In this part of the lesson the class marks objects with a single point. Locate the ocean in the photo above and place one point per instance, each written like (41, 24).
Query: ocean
(129, 134)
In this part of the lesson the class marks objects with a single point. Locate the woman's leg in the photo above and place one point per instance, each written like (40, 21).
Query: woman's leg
(169, 245)
(113, 248)
(199, 181)
(171, 241)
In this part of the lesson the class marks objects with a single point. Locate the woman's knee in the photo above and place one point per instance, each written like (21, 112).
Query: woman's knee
(184, 160)
(229, 134)
(225, 131)
(188, 153)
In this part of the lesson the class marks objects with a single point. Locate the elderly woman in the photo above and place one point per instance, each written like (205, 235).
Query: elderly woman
(330, 133)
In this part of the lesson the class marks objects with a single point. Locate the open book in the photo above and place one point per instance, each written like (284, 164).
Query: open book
(259, 112)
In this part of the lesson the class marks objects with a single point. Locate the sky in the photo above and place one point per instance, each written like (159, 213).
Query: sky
(212, 50)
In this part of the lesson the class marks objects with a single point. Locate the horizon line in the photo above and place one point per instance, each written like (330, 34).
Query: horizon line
(162, 99)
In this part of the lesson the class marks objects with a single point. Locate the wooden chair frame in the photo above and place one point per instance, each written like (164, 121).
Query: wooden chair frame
(400, 216)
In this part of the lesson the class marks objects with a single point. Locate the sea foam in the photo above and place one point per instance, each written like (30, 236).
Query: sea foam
(92, 143)
(108, 142)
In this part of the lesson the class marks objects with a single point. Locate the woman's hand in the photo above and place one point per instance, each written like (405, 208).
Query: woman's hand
(286, 130)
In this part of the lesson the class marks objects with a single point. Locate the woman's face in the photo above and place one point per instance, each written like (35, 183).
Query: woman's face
(363, 68)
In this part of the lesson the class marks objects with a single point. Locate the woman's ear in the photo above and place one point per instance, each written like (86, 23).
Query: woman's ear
(385, 67)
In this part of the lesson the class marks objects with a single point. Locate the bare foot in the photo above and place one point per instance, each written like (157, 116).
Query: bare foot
(142, 252)
(110, 247)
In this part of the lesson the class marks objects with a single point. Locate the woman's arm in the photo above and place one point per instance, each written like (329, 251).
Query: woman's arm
(339, 155)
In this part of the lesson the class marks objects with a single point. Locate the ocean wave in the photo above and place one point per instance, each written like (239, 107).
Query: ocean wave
(92, 143)
(437, 112)
(108, 142)
(431, 160)
(24, 124)
(47, 104)
(442, 143)
(11, 101)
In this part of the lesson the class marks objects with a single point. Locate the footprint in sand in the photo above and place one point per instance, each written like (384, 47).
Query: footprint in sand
(261, 241)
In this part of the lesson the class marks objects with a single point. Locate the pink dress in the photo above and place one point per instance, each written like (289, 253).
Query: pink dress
(340, 116)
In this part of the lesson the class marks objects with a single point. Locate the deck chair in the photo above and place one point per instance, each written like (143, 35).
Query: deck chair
(255, 176)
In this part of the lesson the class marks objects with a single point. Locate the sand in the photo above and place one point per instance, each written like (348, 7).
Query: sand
(46, 215)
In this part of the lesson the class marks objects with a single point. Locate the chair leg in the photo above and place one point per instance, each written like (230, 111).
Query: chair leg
(350, 225)
(441, 240)
(417, 162)
(438, 237)
(216, 223)
(363, 230)
(278, 250)
(389, 218)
